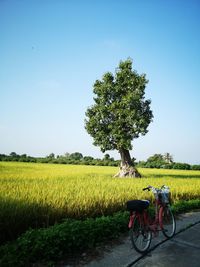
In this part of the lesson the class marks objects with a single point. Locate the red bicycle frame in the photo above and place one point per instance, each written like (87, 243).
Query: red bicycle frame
(145, 219)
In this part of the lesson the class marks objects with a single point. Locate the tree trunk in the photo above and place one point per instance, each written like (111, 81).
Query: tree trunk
(127, 168)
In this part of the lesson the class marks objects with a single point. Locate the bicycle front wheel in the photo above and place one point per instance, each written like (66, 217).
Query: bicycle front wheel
(168, 222)
(140, 235)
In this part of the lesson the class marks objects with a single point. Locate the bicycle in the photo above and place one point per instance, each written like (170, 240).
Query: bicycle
(141, 224)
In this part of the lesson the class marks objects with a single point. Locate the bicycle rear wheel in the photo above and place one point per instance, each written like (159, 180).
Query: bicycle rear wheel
(168, 222)
(140, 235)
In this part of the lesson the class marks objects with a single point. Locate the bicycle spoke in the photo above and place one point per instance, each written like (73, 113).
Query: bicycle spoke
(140, 237)
(168, 221)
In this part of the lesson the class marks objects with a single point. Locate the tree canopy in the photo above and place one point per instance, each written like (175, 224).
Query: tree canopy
(120, 112)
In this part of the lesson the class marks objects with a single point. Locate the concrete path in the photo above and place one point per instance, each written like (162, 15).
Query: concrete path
(182, 250)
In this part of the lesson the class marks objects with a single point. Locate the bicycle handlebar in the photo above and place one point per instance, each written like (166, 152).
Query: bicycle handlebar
(147, 188)
(150, 187)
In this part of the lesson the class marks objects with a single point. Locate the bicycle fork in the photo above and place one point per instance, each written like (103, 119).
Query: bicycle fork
(131, 219)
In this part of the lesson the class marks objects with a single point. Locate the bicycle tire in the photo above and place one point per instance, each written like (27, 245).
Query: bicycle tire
(140, 235)
(168, 222)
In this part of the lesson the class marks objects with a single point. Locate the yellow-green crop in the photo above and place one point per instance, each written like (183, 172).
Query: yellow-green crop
(41, 194)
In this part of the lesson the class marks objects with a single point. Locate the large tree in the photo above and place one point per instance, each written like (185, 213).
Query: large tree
(120, 113)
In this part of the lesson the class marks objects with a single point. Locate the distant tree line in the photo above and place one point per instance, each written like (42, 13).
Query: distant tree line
(67, 158)
(156, 161)
(165, 162)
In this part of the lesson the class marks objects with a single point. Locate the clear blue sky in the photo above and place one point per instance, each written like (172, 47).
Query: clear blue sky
(51, 53)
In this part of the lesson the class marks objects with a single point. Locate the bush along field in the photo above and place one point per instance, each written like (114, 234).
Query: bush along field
(49, 210)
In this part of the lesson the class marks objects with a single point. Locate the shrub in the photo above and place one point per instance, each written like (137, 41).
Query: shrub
(71, 236)
(49, 245)
(181, 166)
(195, 167)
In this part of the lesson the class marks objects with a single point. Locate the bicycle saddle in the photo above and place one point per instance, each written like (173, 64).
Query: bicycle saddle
(137, 205)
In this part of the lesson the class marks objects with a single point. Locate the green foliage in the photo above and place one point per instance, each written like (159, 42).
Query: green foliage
(186, 205)
(49, 245)
(155, 161)
(70, 236)
(166, 162)
(181, 166)
(195, 167)
(106, 156)
(120, 112)
(51, 156)
(76, 156)
(15, 157)
(88, 158)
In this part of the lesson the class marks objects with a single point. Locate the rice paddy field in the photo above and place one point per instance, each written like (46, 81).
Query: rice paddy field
(39, 195)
